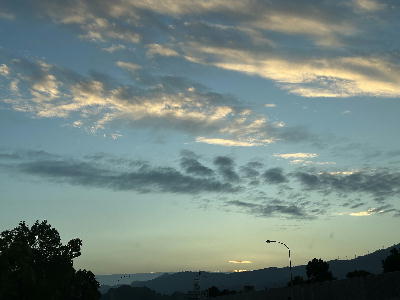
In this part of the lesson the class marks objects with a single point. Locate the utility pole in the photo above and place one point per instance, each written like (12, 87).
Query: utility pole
(290, 265)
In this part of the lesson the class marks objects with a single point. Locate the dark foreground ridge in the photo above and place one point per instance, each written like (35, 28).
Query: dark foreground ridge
(374, 287)
(263, 278)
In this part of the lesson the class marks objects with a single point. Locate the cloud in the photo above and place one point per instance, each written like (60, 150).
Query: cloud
(232, 143)
(225, 167)
(193, 177)
(114, 47)
(379, 183)
(369, 5)
(340, 172)
(372, 211)
(128, 65)
(157, 49)
(26, 155)
(251, 169)
(6, 15)
(368, 212)
(129, 175)
(240, 261)
(310, 77)
(162, 102)
(270, 209)
(309, 162)
(4, 70)
(274, 176)
(270, 105)
(296, 155)
(310, 48)
(191, 165)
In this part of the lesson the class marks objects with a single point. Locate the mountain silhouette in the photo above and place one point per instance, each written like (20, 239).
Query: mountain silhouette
(262, 278)
(120, 279)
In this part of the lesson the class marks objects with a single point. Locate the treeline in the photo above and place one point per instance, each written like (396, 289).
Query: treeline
(35, 265)
(317, 270)
(126, 292)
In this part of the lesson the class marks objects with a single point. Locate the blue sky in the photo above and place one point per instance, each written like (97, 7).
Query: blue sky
(180, 135)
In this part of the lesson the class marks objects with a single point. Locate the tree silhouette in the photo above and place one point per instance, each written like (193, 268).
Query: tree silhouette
(296, 281)
(392, 262)
(213, 292)
(318, 270)
(357, 273)
(34, 264)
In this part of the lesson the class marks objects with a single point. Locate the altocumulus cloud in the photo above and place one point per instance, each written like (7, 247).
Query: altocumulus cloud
(254, 37)
(189, 162)
(262, 188)
(272, 208)
(378, 183)
(158, 102)
(137, 176)
(225, 167)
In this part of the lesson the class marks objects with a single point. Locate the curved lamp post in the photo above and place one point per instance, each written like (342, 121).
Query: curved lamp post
(290, 260)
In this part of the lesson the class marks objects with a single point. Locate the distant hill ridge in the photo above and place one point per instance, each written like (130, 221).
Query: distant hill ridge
(119, 279)
(263, 278)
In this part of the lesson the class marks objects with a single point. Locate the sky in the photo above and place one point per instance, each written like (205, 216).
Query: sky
(181, 134)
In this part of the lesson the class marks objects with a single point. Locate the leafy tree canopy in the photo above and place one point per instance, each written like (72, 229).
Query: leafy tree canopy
(318, 270)
(358, 273)
(34, 264)
(392, 262)
(297, 280)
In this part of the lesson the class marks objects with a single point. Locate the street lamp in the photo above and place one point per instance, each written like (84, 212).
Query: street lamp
(290, 260)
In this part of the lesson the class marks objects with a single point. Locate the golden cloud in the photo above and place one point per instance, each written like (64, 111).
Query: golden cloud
(240, 261)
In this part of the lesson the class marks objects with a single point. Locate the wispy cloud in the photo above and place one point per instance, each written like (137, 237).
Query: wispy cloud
(340, 172)
(114, 47)
(371, 211)
(6, 15)
(378, 183)
(369, 5)
(162, 102)
(220, 176)
(240, 261)
(162, 50)
(233, 143)
(310, 162)
(249, 36)
(271, 209)
(112, 173)
(296, 155)
(128, 65)
(270, 105)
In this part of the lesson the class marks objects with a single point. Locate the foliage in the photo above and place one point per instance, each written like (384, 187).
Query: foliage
(318, 270)
(392, 262)
(126, 292)
(358, 273)
(297, 280)
(215, 292)
(34, 264)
